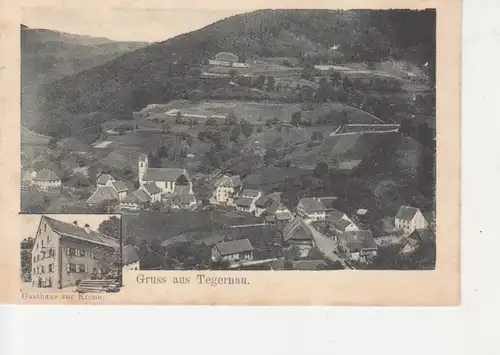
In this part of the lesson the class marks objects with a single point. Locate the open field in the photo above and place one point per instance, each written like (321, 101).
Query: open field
(253, 112)
(184, 225)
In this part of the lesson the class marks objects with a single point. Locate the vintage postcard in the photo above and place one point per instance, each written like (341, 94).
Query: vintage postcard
(228, 155)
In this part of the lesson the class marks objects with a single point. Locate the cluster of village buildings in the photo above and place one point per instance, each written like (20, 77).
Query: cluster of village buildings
(349, 235)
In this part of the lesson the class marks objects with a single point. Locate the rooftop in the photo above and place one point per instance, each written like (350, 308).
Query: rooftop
(234, 246)
(312, 204)
(46, 175)
(358, 240)
(250, 192)
(297, 230)
(407, 213)
(151, 188)
(137, 196)
(349, 164)
(129, 255)
(70, 230)
(244, 202)
(229, 181)
(102, 194)
(308, 264)
(164, 174)
(104, 178)
(119, 186)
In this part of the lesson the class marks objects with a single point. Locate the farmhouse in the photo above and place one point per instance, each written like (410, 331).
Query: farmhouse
(416, 239)
(130, 259)
(359, 245)
(408, 219)
(311, 208)
(226, 188)
(165, 178)
(104, 179)
(46, 180)
(64, 254)
(297, 233)
(233, 251)
(182, 201)
(111, 191)
(135, 200)
(265, 202)
(246, 203)
(102, 195)
(340, 222)
(153, 191)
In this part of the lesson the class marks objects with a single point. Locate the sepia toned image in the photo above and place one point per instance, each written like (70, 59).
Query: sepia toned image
(311, 141)
(272, 139)
(70, 253)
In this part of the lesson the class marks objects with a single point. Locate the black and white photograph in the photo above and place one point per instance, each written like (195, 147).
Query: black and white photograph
(231, 140)
(72, 253)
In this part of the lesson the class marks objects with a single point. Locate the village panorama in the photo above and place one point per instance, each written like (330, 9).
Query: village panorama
(268, 140)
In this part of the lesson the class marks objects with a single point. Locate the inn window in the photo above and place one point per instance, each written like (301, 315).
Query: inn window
(42, 243)
(51, 267)
(44, 227)
(48, 239)
(43, 269)
(76, 252)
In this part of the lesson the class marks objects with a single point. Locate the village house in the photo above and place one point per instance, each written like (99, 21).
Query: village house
(226, 188)
(297, 233)
(233, 251)
(46, 180)
(110, 191)
(266, 201)
(136, 200)
(277, 213)
(104, 180)
(153, 191)
(246, 202)
(64, 254)
(340, 222)
(311, 208)
(416, 240)
(130, 259)
(359, 245)
(165, 178)
(182, 201)
(103, 194)
(408, 219)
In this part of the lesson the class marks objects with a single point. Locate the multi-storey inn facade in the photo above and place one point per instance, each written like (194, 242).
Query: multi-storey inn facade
(64, 254)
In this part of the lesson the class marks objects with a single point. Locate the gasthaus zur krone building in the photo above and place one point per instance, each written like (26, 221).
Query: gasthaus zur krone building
(64, 254)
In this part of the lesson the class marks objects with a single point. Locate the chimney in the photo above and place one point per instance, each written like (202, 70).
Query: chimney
(87, 229)
(75, 223)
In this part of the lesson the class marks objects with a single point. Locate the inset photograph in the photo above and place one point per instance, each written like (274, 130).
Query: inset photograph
(71, 253)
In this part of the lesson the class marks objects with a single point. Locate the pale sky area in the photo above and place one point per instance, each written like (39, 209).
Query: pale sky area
(29, 223)
(143, 25)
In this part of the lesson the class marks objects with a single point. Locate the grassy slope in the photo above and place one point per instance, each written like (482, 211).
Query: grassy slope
(152, 70)
(49, 55)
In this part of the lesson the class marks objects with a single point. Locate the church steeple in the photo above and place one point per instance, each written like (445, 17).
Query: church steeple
(143, 166)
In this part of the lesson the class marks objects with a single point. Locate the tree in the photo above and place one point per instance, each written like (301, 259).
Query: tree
(345, 118)
(271, 154)
(246, 129)
(52, 143)
(166, 128)
(317, 136)
(321, 169)
(271, 81)
(260, 81)
(322, 92)
(347, 84)
(178, 117)
(230, 119)
(235, 134)
(211, 122)
(233, 73)
(296, 118)
(111, 227)
(108, 260)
